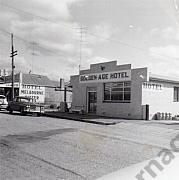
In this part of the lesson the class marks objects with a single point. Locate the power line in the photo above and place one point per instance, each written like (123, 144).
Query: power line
(130, 46)
(28, 42)
(90, 33)
(34, 15)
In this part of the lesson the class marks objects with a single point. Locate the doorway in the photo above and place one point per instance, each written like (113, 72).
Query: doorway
(92, 102)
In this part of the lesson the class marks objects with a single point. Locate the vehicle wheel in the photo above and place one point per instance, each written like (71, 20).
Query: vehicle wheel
(10, 111)
(22, 111)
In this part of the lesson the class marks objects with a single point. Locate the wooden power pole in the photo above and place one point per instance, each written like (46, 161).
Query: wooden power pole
(13, 53)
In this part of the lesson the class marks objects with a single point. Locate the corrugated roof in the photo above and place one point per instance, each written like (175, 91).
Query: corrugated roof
(155, 77)
(36, 79)
(56, 83)
(8, 79)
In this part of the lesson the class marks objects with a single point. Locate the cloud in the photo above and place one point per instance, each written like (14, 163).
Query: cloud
(93, 60)
(53, 39)
(170, 51)
(46, 37)
(168, 33)
(47, 8)
(100, 33)
(165, 60)
(171, 10)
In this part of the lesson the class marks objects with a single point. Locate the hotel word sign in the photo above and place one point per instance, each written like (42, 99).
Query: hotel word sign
(152, 86)
(124, 75)
(37, 93)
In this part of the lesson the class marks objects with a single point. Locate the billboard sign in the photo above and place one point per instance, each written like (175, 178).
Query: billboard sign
(37, 93)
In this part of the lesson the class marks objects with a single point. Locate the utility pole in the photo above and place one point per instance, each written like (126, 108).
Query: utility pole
(63, 88)
(13, 53)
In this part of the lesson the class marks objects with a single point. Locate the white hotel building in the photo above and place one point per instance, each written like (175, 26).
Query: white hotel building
(108, 89)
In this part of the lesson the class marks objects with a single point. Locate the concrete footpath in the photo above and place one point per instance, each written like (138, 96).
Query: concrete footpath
(83, 118)
(101, 120)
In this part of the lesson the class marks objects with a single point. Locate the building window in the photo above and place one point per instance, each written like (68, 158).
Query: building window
(176, 94)
(117, 92)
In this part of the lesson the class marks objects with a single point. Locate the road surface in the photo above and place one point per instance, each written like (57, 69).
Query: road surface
(42, 148)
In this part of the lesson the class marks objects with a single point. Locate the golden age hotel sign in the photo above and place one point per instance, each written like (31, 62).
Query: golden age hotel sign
(115, 76)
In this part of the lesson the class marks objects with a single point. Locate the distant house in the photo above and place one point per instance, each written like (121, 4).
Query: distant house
(40, 88)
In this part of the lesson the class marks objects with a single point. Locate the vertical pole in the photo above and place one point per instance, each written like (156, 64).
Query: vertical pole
(65, 94)
(12, 49)
(147, 112)
(65, 98)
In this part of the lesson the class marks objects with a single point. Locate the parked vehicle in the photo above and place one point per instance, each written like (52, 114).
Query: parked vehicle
(3, 102)
(24, 105)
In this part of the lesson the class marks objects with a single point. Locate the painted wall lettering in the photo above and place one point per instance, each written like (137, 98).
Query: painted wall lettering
(106, 77)
(152, 86)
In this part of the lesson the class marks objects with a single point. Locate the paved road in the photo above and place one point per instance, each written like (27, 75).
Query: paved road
(36, 148)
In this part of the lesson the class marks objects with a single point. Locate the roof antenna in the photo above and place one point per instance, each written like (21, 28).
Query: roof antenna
(82, 32)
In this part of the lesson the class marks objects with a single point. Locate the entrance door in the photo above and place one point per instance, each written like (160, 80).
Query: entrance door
(92, 102)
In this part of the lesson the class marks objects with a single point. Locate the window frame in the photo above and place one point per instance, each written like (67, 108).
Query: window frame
(176, 99)
(110, 86)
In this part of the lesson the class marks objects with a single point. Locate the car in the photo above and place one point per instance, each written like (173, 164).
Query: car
(24, 105)
(3, 102)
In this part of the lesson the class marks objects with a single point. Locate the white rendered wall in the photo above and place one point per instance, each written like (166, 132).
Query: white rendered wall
(160, 100)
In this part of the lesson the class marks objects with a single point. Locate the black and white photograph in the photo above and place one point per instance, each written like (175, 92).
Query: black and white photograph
(89, 89)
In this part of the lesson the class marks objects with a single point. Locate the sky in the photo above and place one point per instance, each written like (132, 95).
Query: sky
(47, 35)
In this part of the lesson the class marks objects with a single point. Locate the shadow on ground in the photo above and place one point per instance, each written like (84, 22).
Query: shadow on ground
(34, 136)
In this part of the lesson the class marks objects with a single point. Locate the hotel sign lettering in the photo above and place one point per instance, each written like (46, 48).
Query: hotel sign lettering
(152, 86)
(37, 93)
(124, 75)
